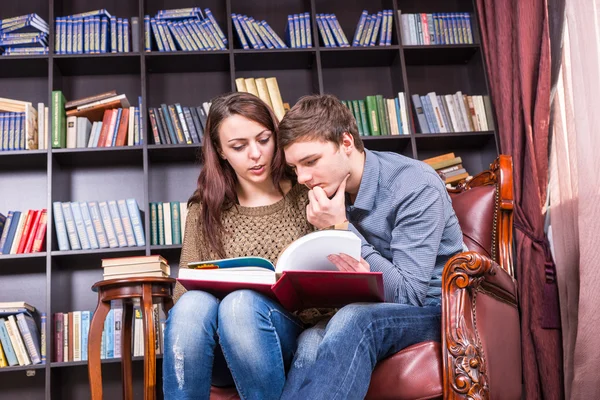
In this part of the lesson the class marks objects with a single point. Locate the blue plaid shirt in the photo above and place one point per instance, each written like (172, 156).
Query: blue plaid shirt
(404, 217)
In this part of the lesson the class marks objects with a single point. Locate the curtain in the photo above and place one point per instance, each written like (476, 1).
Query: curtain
(517, 53)
(575, 197)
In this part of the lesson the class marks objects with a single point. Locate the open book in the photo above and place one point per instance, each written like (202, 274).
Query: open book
(302, 278)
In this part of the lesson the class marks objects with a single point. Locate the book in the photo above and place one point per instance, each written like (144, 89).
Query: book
(302, 278)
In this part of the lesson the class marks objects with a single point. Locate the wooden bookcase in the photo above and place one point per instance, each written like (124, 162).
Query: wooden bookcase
(60, 281)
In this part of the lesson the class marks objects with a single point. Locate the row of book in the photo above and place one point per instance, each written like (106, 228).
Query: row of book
(436, 28)
(24, 34)
(22, 231)
(257, 34)
(21, 342)
(453, 113)
(267, 89)
(22, 126)
(176, 124)
(370, 27)
(185, 29)
(449, 168)
(71, 330)
(98, 224)
(377, 116)
(102, 120)
(95, 32)
(167, 222)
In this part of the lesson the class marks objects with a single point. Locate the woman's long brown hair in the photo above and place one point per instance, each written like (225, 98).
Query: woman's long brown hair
(217, 182)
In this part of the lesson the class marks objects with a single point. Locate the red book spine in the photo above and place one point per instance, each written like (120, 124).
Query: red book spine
(40, 235)
(58, 337)
(33, 231)
(26, 231)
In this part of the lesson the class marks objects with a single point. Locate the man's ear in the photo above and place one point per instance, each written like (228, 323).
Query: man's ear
(347, 143)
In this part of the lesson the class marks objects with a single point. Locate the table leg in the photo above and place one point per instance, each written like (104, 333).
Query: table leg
(126, 350)
(149, 344)
(94, 344)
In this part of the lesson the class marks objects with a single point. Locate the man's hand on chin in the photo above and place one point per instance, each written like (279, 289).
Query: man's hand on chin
(344, 262)
(322, 211)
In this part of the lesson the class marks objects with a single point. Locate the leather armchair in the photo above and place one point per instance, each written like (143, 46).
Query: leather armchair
(479, 356)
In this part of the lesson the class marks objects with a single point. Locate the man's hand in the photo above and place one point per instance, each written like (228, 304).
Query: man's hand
(344, 262)
(322, 211)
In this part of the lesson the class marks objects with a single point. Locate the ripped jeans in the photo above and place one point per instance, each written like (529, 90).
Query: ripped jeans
(256, 336)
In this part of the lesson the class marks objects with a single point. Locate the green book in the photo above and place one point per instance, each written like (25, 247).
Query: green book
(161, 223)
(363, 117)
(153, 224)
(175, 223)
(381, 115)
(372, 115)
(59, 120)
(356, 113)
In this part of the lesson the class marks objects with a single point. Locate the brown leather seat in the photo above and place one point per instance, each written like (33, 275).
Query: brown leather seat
(480, 353)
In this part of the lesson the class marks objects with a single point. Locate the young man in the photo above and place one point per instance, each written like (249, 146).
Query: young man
(400, 209)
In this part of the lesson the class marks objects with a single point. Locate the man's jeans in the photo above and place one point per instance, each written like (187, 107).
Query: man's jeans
(256, 335)
(335, 360)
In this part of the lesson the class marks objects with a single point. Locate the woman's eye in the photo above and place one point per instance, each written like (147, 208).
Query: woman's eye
(238, 148)
(264, 141)
(311, 162)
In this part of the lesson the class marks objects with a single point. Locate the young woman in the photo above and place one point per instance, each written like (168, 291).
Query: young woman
(245, 204)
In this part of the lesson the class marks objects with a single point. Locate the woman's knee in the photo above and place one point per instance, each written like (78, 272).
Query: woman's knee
(194, 307)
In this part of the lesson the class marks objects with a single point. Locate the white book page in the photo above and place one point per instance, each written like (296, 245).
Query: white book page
(309, 253)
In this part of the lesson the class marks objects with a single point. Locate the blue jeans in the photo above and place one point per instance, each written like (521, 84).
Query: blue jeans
(334, 360)
(256, 335)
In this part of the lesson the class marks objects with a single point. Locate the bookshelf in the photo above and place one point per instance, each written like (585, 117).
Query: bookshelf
(60, 281)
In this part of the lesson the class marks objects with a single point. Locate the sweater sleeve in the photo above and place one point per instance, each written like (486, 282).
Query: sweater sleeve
(191, 250)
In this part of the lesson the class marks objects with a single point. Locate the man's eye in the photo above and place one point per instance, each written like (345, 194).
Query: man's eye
(309, 163)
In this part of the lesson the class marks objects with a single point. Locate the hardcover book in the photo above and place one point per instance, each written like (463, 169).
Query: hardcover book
(303, 277)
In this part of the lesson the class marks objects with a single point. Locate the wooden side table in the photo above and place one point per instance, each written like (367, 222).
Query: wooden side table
(146, 289)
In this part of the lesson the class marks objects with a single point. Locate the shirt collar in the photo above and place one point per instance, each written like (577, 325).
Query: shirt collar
(365, 199)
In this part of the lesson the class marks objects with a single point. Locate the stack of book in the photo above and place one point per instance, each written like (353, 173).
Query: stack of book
(22, 126)
(436, 28)
(95, 32)
(174, 124)
(372, 27)
(453, 113)
(167, 222)
(256, 34)
(22, 232)
(266, 89)
(20, 340)
(298, 32)
(135, 267)
(331, 32)
(23, 35)
(185, 29)
(102, 120)
(377, 116)
(98, 224)
(449, 168)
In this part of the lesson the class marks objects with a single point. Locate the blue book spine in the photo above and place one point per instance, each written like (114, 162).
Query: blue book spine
(297, 34)
(126, 36)
(107, 221)
(302, 24)
(244, 23)
(120, 35)
(467, 22)
(398, 117)
(289, 32)
(104, 35)
(136, 221)
(30, 335)
(186, 36)
(340, 31)
(80, 36)
(204, 36)
(97, 34)
(169, 123)
(117, 223)
(11, 231)
(176, 36)
(85, 329)
(89, 225)
(277, 41)
(70, 224)
(139, 127)
(80, 226)
(18, 134)
(192, 35)
(261, 33)
(60, 226)
(328, 30)
(166, 35)
(376, 29)
(98, 224)
(216, 26)
(210, 28)
(307, 25)
(429, 115)
(322, 32)
(109, 334)
(86, 36)
(147, 34)
(159, 44)
(127, 225)
(193, 26)
(383, 30)
(57, 35)
(114, 44)
(7, 224)
(267, 33)
(69, 35)
(11, 357)
(240, 33)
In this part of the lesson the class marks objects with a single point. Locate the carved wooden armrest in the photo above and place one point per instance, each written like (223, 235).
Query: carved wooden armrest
(465, 275)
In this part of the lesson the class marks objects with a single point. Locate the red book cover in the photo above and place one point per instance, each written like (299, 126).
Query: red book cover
(40, 235)
(297, 290)
(26, 230)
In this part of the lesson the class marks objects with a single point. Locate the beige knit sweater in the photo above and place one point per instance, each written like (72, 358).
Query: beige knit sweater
(248, 231)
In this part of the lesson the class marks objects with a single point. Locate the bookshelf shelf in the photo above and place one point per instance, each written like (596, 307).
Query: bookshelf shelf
(60, 281)
(98, 64)
(440, 54)
(22, 368)
(104, 361)
(357, 57)
(187, 61)
(125, 155)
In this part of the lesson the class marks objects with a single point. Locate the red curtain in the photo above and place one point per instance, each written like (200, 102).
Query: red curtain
(517, 53)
